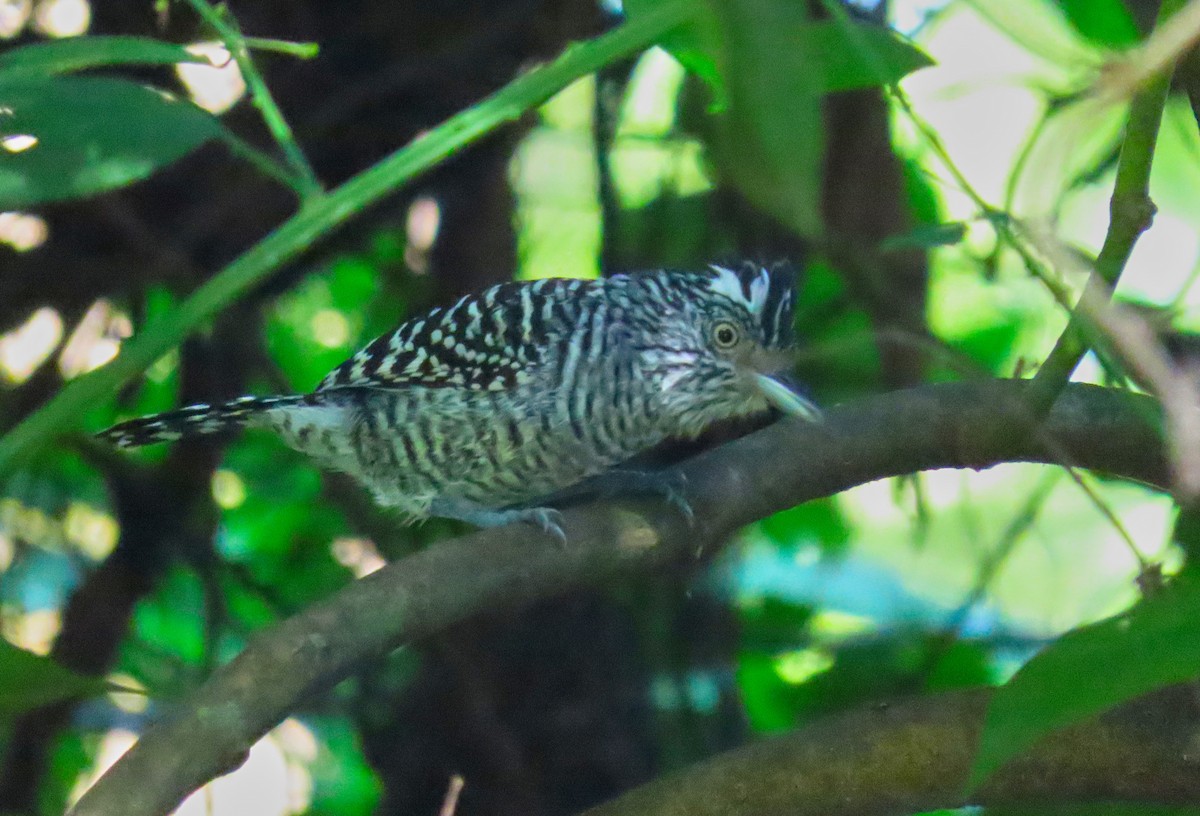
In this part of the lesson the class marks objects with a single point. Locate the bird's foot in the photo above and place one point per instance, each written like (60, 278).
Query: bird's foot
(546, 519)
(670, 485)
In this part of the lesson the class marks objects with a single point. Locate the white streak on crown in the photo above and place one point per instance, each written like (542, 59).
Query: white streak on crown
(729, 283)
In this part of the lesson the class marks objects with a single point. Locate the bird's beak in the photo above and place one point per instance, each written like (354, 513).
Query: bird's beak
(786, 399)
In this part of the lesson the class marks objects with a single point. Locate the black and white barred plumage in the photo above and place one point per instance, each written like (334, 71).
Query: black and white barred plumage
(510, 395)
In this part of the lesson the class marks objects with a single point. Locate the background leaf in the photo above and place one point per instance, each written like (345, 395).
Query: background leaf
(698, 45)
(1104, 21)
(773, 64)
(926, 236)
(90, 134)
(864, 56)
(79, 53)
(28, 681)
(1092, 669)
(771, 139)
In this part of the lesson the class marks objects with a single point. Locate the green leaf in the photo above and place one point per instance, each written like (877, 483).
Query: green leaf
(697, 44)
(925, 236)
(771, 139)
(861, 57)
(834, 56)
(1107, 22)
(69, 137)
(80, 53)
(769, 64)
(29, 681)
(1092, 669)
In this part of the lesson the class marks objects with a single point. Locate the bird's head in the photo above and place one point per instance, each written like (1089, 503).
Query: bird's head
(722, 343)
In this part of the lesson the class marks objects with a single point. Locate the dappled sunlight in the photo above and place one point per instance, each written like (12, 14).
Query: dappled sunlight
(216, 87)
(918, 550)
(134, 701)
(33, 630)
(421, 226)
(555, 168)
(359, 555)
(316, 325)
(113, 746)
(558, 216)
(982, 83)
(18, 142)
(831, 625)
(273, 781)
(23, 231)
(644, 169)
(14, 14)
(802, 665)
(648, 158)
(62, 18)
(92, 532)
(648, 108)
(1069, 567)
(228, 489)
(95, 341)
(330, 328)
(998, 64)
(24, 349)
(8, 551)
(80, 528)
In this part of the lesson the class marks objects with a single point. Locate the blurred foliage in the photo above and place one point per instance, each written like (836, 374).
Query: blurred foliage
(1153, 645)
(29, 681)
(80, 53)
(69, 136)
(935, 582)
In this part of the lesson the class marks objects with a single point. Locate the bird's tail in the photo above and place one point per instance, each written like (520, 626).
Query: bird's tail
(194, 420)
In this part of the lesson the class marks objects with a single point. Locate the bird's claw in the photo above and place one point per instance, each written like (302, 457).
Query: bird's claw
(548, 520)
(670, 485)
(676, 495)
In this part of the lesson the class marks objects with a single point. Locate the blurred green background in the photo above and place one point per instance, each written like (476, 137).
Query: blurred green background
(154, 568)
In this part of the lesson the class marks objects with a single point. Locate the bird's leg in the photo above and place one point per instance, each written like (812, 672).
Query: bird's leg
(670, 485)
(547, 519)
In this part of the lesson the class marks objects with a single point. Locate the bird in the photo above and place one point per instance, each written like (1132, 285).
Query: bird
(485, 410)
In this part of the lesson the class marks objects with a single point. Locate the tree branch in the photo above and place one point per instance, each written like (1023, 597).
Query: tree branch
(914, 755)
(950, 425)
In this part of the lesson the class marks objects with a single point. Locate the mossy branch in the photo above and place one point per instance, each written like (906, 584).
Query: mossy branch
(913, 755)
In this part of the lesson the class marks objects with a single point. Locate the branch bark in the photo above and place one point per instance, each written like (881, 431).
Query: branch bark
(914, 755)
(950, 425)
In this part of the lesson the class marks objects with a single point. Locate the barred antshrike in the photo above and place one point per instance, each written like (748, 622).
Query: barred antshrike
(479, 410)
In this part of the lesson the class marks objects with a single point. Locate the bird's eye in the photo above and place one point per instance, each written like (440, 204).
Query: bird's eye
(725, 335)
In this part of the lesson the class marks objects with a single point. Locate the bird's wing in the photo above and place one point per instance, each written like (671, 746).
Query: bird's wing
(484, 342)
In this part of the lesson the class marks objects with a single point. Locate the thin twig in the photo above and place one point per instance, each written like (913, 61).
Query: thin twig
(967, 368)
(450, 803)
(1131, 212)
(1171, 39)
(302, 178)
(994, 560)
(1141, 353)
(264, 162)
(1086, 482)
(299, 50)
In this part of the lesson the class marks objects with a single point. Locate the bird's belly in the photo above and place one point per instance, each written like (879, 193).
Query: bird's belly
(491, 449)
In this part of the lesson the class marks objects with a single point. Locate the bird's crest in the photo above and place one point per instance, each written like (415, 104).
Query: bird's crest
(765, 292)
